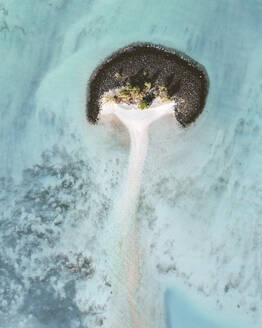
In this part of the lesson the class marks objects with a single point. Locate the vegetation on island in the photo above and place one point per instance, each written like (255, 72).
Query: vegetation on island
(140, 96)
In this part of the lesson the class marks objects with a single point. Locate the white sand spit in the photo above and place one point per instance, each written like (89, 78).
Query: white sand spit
(126, 265)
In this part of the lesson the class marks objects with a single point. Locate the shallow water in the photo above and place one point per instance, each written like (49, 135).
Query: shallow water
(200, 204)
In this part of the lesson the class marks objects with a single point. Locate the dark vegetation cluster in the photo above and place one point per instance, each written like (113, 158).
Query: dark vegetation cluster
(141, 64)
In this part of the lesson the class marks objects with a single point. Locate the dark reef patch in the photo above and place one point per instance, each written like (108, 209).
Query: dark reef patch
(145, 62)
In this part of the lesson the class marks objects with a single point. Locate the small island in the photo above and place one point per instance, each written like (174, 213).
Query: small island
(139, 85)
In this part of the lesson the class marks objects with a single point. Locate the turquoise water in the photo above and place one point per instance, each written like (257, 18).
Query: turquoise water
(183, 313)
(200, 205)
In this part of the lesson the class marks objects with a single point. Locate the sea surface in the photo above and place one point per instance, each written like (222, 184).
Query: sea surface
(200, 207)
